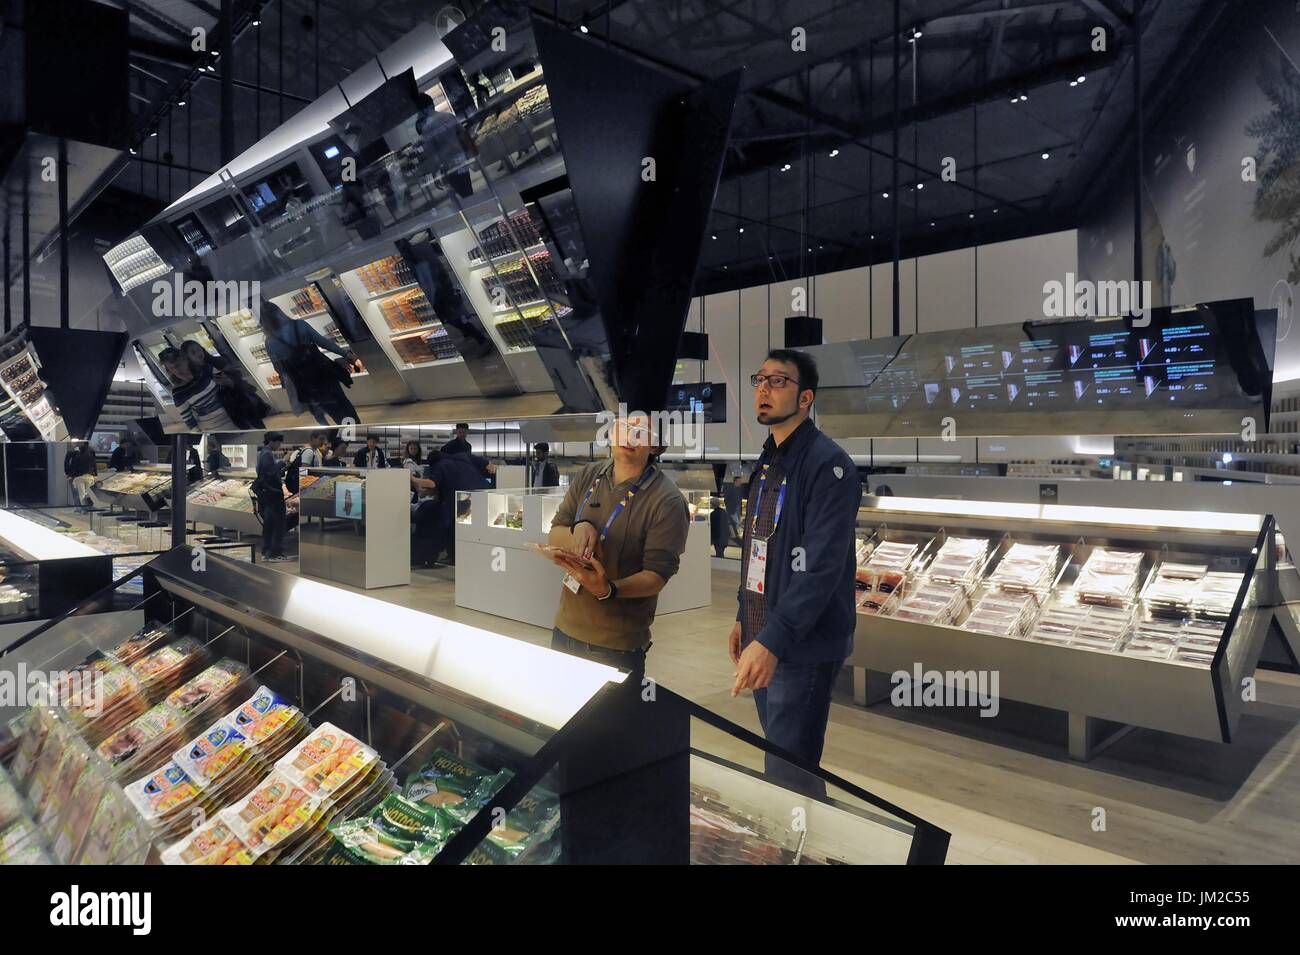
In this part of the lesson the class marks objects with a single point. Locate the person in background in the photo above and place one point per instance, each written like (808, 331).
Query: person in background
(269, 489)
(312, 381)
(544, 472)
(80, 466)
(795, 617)
(733, 497)
(719, 527)
(241, 400)
(313, 456)
(195, 393)
(459, 441)
(448, 473)
(195, 466)
(621, 529)
(371, 456)
(413, 461)
(124, 456)
(336, 455)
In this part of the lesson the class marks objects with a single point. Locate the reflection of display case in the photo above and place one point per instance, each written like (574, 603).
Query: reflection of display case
(225, 502)
(490, 520)
(146, 488)
(1140, 617)
(503, 752)
(44, 572)
(700, 504)
(354, 525)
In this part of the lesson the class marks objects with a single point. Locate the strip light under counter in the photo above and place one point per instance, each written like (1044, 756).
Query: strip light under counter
(1078, 514)
(40, 543)
(532, 681)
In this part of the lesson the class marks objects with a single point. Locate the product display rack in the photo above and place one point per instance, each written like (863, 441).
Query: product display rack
(471, 728)
(146, 489)
(399, 314)
(1139, 617)
(226, 502)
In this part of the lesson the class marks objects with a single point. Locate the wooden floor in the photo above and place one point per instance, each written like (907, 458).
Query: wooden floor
(1004, 787)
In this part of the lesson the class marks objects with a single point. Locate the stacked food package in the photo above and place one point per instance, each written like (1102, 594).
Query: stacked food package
(884, 575)
(1109, 577)
(931, 601)
(720, 835)
(1065, 621)
(1217, 595)
(1026, 568)
(1003, 613)
(1172, 589)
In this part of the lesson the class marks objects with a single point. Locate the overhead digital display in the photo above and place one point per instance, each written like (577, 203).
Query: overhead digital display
(1198, 370)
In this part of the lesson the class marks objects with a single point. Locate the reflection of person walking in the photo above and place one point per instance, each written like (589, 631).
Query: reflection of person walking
(269, 489)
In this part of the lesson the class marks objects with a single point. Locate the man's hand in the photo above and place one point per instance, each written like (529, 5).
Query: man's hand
(491, 467)
(591, 577)
(755, 669)
(585, 540)
(733, 644)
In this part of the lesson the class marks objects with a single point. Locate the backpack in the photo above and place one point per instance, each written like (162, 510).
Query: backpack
(291, 473)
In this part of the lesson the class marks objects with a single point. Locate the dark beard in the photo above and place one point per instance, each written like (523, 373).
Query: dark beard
(776, 419)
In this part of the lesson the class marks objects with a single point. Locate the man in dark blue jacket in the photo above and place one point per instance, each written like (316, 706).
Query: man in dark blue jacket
(795, 620)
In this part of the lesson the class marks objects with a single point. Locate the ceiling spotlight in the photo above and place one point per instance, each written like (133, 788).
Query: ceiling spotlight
(180, 102)
(995, 211)
(715, 237)
(920, 185)
(885, 195)
(931, 225)
(1081, 79)
(1014, 100)
(972, 215)
(153, 134)
(742, 228)
(834, 153)
(133, 151)
(1074, 82)
(1046, 155)
(583, 28)
(785, 168)
(257, 21)
(916, 34)
(1024, 98)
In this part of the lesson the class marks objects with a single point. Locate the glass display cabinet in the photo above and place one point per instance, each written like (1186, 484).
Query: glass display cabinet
(317, 725)
(147, 488)
(1134, 616)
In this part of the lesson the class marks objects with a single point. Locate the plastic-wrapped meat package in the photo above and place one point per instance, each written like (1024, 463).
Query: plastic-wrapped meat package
(933, 601)
(1026, 567)
(1002, 614)
(1109, 577)
(888, 566)
(1173, 588)
(959, 560)
(1217, 594)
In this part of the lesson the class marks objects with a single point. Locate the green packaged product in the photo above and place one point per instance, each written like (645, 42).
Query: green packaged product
(363, 842)
(530, 822)
(453, 783)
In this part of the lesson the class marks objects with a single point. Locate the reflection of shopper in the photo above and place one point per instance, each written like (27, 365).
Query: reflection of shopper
(194, 465)
(313, 456)
(459, 443)
(195, 393)
(312, 381)
(733, 497)
(269, 490)
(245, 406)
(80, 466)
(622, 527)
(719, 527)
(543, 472)
(371, 456)
(124, 456)
(795, 621)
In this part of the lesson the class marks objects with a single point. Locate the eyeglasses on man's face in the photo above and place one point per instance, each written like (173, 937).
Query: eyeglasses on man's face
(775, 382)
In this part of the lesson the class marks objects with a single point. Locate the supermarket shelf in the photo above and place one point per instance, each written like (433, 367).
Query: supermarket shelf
(431, 364)
(392, 291)
(499, 312)
(528, 250)
(417, 330)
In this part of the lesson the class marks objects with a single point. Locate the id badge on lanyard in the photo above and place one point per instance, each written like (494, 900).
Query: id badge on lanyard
(756, 572)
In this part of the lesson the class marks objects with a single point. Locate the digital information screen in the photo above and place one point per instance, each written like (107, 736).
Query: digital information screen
(1198, 370)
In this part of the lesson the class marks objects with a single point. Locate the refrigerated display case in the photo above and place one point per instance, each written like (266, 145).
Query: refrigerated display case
(354, 525)
(1133, 616)
(317, 725)
(226, 503)
(44, 572)
(147, 488)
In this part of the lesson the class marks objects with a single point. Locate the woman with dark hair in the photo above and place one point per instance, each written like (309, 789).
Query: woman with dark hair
(238, 396)
(312, 381)
(195, 393)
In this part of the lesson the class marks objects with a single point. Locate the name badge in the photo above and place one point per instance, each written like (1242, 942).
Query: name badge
(572, 583)
(756, 575)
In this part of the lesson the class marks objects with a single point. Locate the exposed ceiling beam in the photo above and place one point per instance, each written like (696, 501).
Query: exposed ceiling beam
(1109, 11)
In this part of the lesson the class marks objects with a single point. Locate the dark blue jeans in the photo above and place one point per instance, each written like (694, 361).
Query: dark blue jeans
(633, 660)
(793, 710)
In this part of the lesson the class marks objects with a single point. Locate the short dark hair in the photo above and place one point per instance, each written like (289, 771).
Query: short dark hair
(316, 434)
(542, 446)
(272, 437)
(460, 425)
(808, 377)
(373, 437)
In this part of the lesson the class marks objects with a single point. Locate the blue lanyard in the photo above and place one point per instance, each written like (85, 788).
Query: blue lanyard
(758, 503)
(618, 508)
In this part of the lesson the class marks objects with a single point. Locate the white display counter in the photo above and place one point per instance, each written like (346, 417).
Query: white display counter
(496, 573)
(354, 525)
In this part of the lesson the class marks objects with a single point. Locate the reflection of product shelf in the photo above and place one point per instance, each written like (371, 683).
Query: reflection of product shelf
(408, 310)
(307, 303)
(385, 276)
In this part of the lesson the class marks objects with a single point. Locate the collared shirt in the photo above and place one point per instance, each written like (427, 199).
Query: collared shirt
(755, 605)
(649, 534)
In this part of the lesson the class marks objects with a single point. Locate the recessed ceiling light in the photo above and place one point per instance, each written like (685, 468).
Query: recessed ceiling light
(885, 195)
(1047, 155)
(180, 102)
(932, 225)
(1081, 79)
(715, 238)
(742, 228)
(257, 21)
(583, 28)
(1074, 82)
(133, 152)
(153, 134)
(972, 215)
(1014, 101)
(1024, 98)
(785, 168)
(834, 153)
(920, 185)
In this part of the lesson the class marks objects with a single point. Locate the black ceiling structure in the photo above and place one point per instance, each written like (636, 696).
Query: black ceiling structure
(1037, 122)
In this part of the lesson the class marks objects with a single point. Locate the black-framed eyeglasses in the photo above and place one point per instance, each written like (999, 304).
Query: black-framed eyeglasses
(775, 382)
